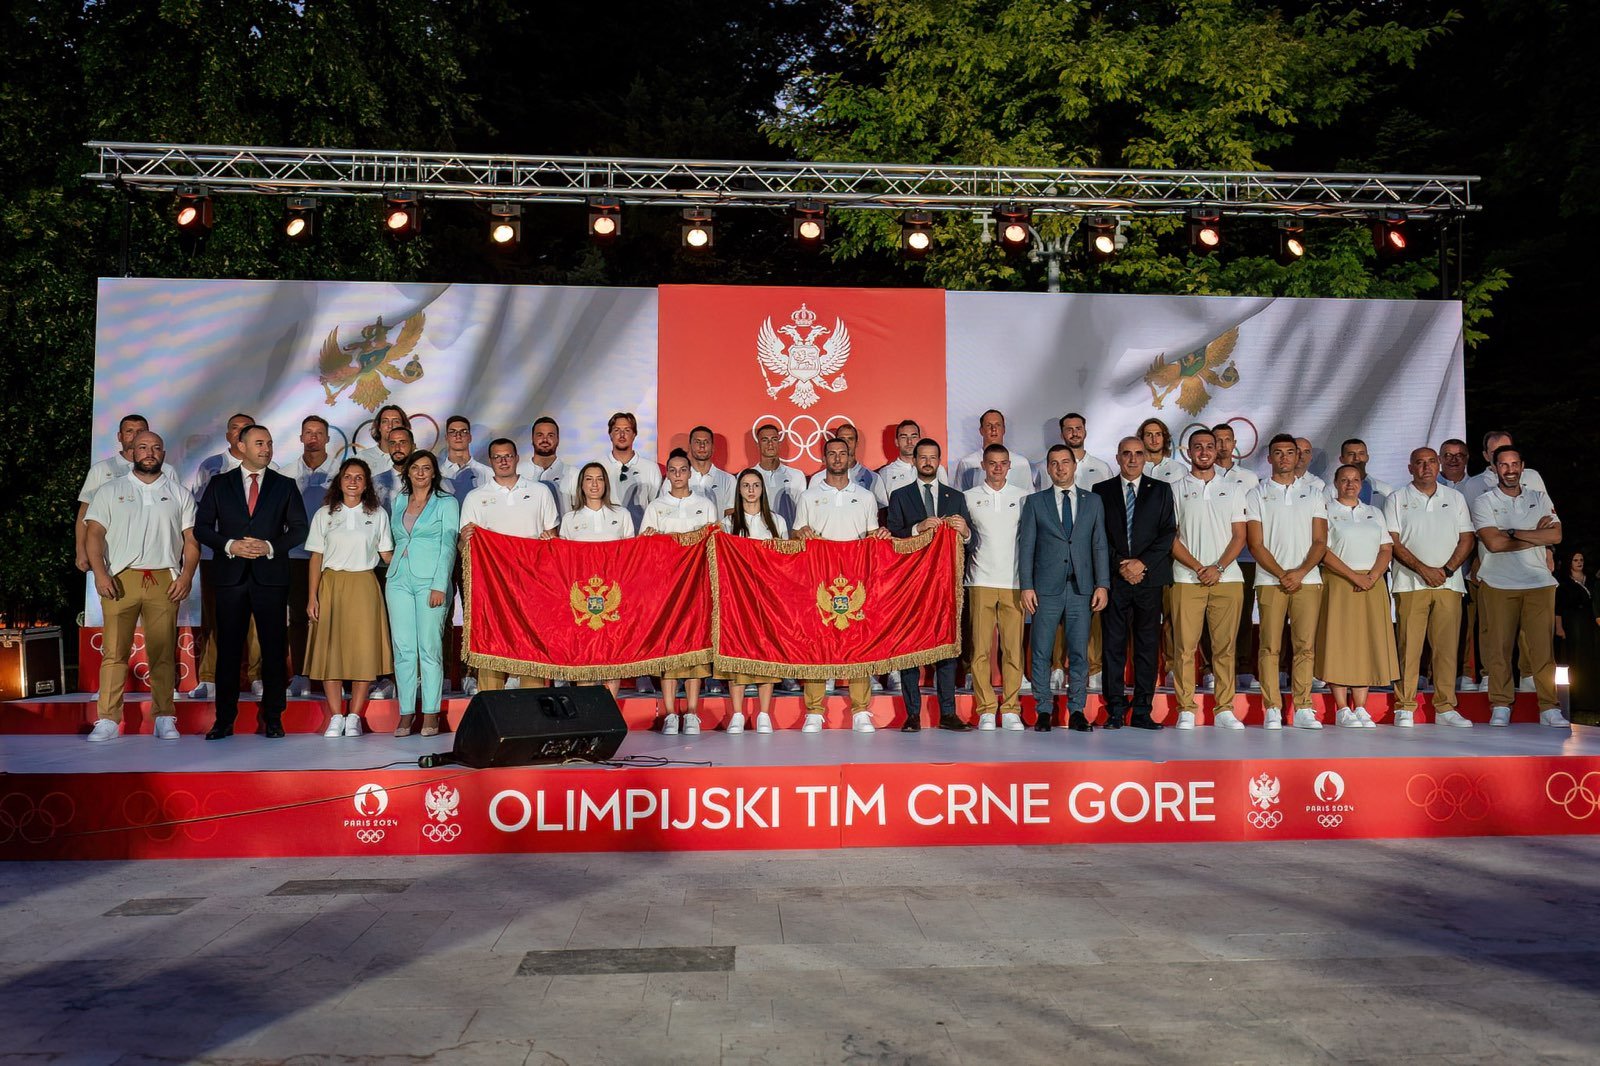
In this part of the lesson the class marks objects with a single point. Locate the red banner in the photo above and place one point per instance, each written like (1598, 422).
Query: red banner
(586, 611)
(825, 609)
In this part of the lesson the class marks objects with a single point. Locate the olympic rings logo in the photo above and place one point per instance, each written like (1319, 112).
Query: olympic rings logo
(139, 662)
(34, 821)
(441, 834)
(1270, 820)
(1453, 795)
(415, 417)
(1579, 797)
(802, 442)
(1240, 449)
(1330, 821)
(144, 810)
(369, 836)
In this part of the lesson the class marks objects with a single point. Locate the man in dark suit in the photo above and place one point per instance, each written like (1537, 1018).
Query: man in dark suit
(250, 517)
(1140, 525)
(916, 508)
(1065, 574)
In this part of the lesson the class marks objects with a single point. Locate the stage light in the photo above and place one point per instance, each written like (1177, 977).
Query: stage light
(1389, 235)
(505, 225)
(194, 211)
(698, 228)
(605, 218)
(1291, 241)
(402, 215)
(809, 224)
(1100, 237)
(1015, 232)
(299, 219)
(916, 234)
(1205, 230)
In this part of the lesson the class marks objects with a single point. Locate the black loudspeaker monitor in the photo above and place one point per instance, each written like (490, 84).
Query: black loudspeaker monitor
(523, 727)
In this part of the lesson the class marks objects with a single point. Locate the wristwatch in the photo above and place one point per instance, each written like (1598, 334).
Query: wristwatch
(1449, 571)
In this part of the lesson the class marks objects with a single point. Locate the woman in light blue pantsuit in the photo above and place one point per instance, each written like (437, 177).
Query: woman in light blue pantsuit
(424, 523)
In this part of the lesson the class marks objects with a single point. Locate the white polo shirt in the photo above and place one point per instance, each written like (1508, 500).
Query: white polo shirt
(560, 478)
(144, 524)
(349, 538)
(1429, 527)
(313, 482)
(757, 529)
(1286, 514)
(1521, 569)
(1316, 483)
(465, 476)
(838, 514)
(109, 470)
(642, 484)
(525, 509)
(1091, 471)
(968, 471)
(376, 458)
(679, 514)
(1206, 512)
(597, 524)
(1239, 474)
(894, 475)
(715, 485)
(992, 551)
(1168, 470)
(857, 473)
(1356, 534)
(785, 486)
(1379, 491)
(1487, 480)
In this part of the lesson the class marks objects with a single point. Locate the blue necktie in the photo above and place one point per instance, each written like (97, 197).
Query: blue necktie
(1127, 505)
(1066, 513)
(1366, 491)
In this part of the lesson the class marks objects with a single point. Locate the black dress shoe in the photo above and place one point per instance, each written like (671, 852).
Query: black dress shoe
(1042, 723)
(954, 724)
(219, 732)
(273, 730)
(1113, 721)
(1145, 722)
(913, 725)
(1078, 723)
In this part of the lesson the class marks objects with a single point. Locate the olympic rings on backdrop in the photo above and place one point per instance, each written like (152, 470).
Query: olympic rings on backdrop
(369, 836)
(802, 441)
(415, 417)
(441, 834)
(34, 821)
(1240, 449)
(1454, 795)
(1579, 797)
(1330, 821)
(1269, 820)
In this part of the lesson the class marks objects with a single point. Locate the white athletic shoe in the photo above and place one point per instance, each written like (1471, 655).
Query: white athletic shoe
(1306, 718)
(1012, 722)
(1366, 719)
(861, 722)
(763, 722)
(736, 724)
(1272, 718)
(691, 724)
(1500, 716)
(986, 723)
(1185, 720)
(352, 725)
(383, 689)
(335, 726)
(1347, 719)
(205, 690)
(1526, 684)
(669, 726)
(1026, 686)
(1452, 718)
(166, 727)
(299, 687)
(1058, 680)
(1318, 685)
(1246, 681)
(1405, 719)
(257, 688)
(1551, 716)
(893, 681)
(1094, 681)
(1227, 720)
(813, 724)
(469, 686)
(1466, 684)
(104, 729)
(513, 682)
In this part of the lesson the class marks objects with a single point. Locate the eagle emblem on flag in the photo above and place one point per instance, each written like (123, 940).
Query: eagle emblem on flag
(596, 603)
(802, 363)
(366, 362)
(841, 603)
(1192, 372)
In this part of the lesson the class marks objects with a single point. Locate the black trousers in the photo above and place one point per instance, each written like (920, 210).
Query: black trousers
(1131, 610)
(944, 684)
(236, 606)
(299, 624)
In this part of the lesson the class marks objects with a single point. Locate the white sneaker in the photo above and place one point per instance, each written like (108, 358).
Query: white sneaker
(813, 724)
(876, 686)
(1405, 719)
(383, 689)
(1551, 716)
(1318, 685)
(1347, 719)
(643, 685)
(469, 686)
(861, 722)
(1366, 719)
(1012, 722)
(299, 686)
(1272, 718)
(513, 682)
(1306, 718)
(1500, 716)
(986, 723)
(1185, 720)
(1208, 683)
(1094, 681)
(1526, 684)
(1167, 681)
(258, 689)
(166, 727)
(335, 726)
(894, 681)
(352, 725)
(1465, 684)
(763, 722)
(104, 729)
(1246, 681)
(736, 724)
(203, 691)
(669, 726)
(691, 724)
(1227, 720)
(1452, 718)
(1058, 680)
(1026, 686)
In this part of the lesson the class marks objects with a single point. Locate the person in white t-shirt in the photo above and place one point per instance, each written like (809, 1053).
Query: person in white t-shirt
(901, 470)
(105, 470)
(705, 477)
(545, 464)
(1162, 465)
(593, 517)
(753, 517)
(1355, 639)
(457, 464)
(1302, 469)
(785, 484)
(1489, 477)
(635, 479)
(314, 471)
(994, 592)
(858, 473)
(968, 471)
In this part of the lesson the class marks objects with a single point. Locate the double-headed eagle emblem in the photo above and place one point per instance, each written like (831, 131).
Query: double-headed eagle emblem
(442, 802)
(803, 364)
(1193, 372)
(1263, 791)
(596, 603)
(841, 603)
(366, 362)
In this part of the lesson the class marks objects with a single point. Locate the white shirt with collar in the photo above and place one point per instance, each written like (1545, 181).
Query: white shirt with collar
(642, 484)
(1316, 483)
(313, 482)
(465, 476)
(785, 486)
(1379, 491)
(894, 475)
(1524, 568)
(560, 478)
(1206, 511)
(1091, 471)
(211, 466)
(1286, 514)
(756, 529)
(524, 509)
(992, 554)
(1487, 480)
(849, 513)
(1356, 534)
(858, 475)
(716, 485)
(679, 514)
(1168, 470)
(968, 471)
(597, 524)
(245, 476)
(1239, 474)
(376, 458)
(1429, 527)
(144, 524)
(350, 539)
(111, 469)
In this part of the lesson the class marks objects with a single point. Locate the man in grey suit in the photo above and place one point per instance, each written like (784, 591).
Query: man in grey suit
(1066, 577)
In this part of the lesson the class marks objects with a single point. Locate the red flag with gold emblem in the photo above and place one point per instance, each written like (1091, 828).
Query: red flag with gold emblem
(586, 611)
(824, 609)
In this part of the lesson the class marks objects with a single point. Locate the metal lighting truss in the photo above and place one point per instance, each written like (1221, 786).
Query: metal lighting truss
(346, 172)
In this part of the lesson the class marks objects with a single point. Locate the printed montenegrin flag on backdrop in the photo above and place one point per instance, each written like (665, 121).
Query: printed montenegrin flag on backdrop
(587, 611)
(824, 609)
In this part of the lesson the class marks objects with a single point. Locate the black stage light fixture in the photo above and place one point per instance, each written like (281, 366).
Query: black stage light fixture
(916, 234)
(809, 224)
(1100, 238)
(1291, 241)
(1205, 230)
(505, 225)
(1015, 231)
(193, 215)
(1389, 236)
(698, 228)
(605, 218)
(299, 219)
(402, 215)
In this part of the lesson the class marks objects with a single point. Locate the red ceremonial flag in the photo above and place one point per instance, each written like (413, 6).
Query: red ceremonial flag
(824, 609)
(586, 611)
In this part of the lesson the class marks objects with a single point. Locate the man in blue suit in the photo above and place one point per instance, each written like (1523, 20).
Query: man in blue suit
(1066, 574)
(916, 508)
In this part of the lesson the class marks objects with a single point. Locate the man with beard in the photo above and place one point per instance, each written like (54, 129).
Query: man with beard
(968, 471)
(546, 466)
(785, 484)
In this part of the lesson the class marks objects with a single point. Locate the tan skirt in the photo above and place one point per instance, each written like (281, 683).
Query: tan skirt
(350, 640)
(751, 679)
(687, 673)
(1355, 636)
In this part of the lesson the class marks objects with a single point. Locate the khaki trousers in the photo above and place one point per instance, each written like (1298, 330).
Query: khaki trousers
(143, 597)
(1431, 617)
(990, 609)
(1301, 609)
(1509, 615)
(492, 680)
(1197, 609)
(860, 695)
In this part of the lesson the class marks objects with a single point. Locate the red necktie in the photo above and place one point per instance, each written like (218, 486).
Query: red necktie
(255, 492)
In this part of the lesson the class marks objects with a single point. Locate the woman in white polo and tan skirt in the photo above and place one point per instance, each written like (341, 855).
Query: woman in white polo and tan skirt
(349, 637)
(753, 517)
(1355, 633)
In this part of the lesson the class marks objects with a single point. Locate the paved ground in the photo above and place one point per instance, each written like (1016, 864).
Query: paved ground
(1435, 951)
